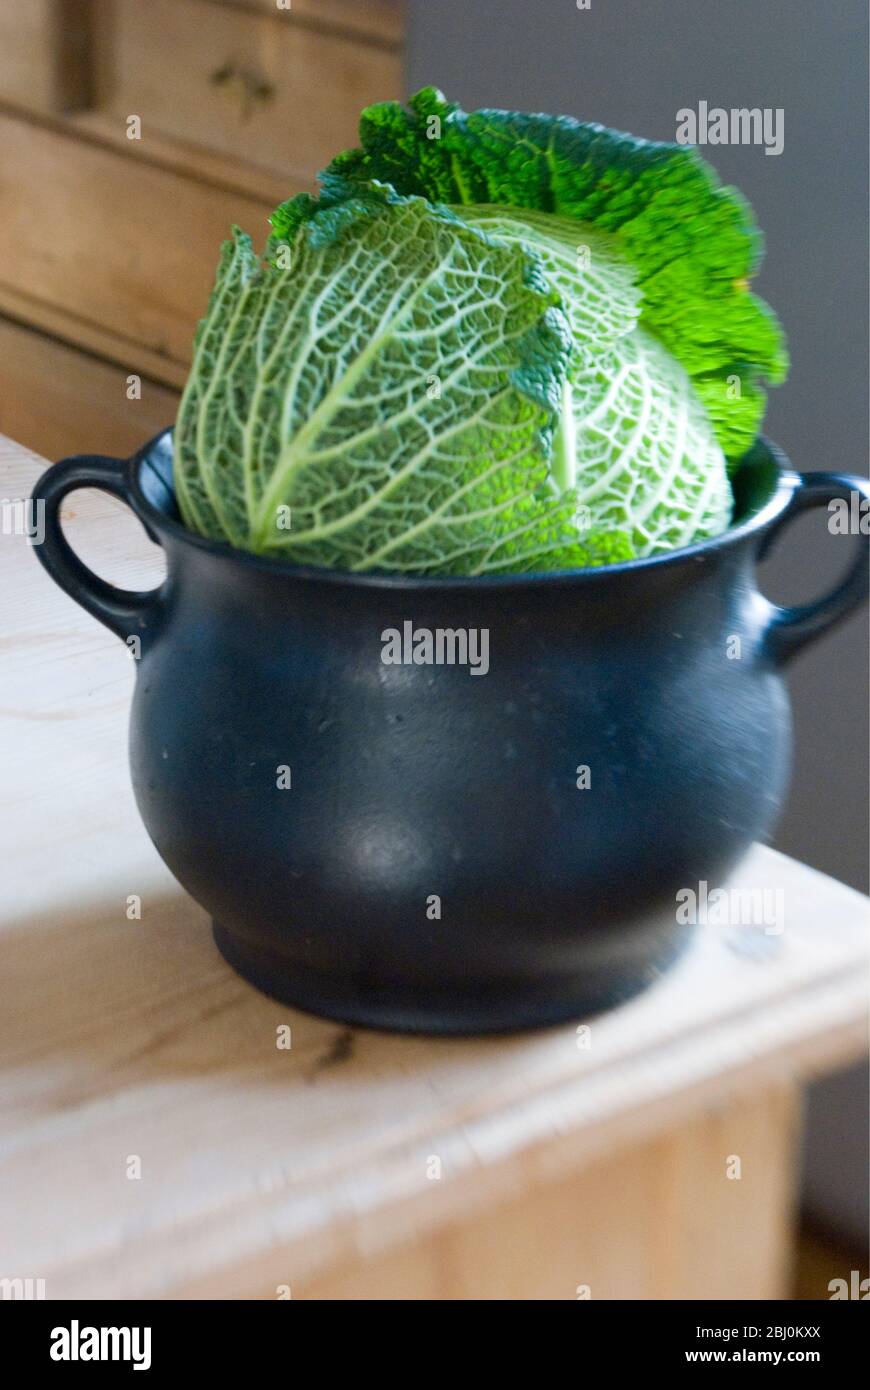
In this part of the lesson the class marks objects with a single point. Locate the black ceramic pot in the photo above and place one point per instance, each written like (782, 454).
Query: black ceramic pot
(433, 864)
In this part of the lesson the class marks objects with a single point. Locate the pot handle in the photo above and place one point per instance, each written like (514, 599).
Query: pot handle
(126, 612)
(790, 628)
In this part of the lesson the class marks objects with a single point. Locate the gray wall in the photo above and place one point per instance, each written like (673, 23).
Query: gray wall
(633, 64)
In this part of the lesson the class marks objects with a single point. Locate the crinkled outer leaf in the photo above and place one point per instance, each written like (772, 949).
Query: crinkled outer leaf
(396, 387)
(692, 243)
(636, 443)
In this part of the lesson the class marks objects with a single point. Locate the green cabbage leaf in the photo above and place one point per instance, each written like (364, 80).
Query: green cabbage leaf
(385, 399)
(494, 342)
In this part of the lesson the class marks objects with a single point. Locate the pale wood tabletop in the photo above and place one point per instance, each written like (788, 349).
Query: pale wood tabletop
(352, 1164)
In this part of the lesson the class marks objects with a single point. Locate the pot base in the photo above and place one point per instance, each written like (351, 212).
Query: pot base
(388, 1009)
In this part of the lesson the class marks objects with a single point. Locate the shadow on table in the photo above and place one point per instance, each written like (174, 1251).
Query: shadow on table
(94, 1004)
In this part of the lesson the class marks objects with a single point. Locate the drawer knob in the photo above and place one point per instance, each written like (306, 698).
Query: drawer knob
(250, 87)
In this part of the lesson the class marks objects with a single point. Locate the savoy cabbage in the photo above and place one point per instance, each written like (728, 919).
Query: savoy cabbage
(494, 342)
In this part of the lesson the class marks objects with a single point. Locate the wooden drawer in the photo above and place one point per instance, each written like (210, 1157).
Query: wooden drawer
(110, 240)
(44, 60)
(260, 87)
(380, 20)
(59, 400)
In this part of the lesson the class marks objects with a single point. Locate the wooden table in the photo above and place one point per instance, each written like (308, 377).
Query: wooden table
(155, 1141)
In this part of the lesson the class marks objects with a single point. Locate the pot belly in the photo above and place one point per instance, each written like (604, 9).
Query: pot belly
(424, 850)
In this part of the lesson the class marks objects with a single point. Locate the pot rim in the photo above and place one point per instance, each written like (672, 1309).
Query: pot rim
(159, 522)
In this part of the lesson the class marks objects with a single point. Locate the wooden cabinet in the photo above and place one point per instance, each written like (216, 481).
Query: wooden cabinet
(257, 87)
(111, 228)
(44, 53)
(117, 241)
(74, 402)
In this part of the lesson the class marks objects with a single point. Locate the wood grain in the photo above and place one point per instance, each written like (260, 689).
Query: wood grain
(203, 166)
(659, 1220)
(44, 53)
(58, 400)
(381, 20)
(76, 332)
(312, 85)
(118, 244)
(313, 1167)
